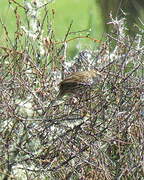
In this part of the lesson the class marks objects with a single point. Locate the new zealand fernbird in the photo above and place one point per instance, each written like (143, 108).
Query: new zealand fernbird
(77, 82)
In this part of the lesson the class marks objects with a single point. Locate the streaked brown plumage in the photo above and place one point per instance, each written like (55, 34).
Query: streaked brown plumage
(77, 81)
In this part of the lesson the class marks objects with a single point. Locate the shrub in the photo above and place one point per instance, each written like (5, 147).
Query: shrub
(98, 135)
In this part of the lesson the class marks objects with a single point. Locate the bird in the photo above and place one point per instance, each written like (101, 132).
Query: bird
(77, 82)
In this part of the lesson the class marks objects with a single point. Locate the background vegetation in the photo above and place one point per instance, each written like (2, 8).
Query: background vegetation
(84, 16)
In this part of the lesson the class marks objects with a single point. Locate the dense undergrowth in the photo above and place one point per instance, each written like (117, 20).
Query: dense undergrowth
(99, 135)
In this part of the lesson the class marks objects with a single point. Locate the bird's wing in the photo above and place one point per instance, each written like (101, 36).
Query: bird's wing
(70, 79)
(74, 77)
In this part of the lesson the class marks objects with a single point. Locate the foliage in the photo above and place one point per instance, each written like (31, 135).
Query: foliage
(96, 135)
(85, 15)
